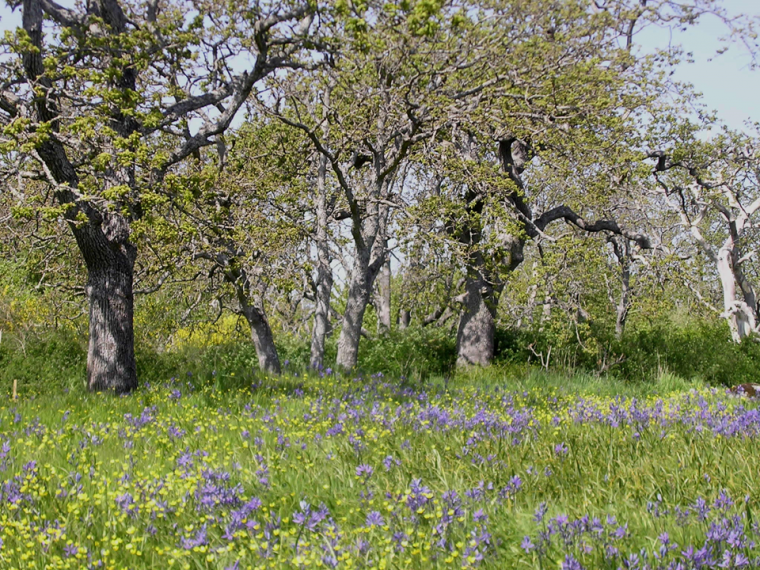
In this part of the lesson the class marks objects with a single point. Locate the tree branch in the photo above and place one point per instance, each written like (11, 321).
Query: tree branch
(64, 16)
(565, 213)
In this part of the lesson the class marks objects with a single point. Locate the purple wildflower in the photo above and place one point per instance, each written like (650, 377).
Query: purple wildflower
(200, 539)
(570, 563)
(374, 518)
(364, 471)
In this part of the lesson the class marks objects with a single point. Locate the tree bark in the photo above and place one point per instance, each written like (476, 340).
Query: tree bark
(383, 299)
(359, 293)
(369, 258)
(111, 351)
(261, 333)
(622, 251)
(404, 318)
(263, 341)
(324, 279)
(546, 309)
(434, 316)
(746, 309)
(477, 330)
(532, 295)
(740, 316)
(476, 333)
(624, 304)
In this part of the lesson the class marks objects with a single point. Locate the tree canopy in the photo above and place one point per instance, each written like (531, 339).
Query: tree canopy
(320, 163)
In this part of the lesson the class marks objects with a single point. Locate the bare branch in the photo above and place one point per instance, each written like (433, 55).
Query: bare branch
(565, 213)
(64, 16)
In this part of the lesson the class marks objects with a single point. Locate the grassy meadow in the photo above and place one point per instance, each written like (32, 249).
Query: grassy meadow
(539, 471)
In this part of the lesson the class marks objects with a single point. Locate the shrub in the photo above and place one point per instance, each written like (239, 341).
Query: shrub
(413, 353)
(45, 362)
(698, 349)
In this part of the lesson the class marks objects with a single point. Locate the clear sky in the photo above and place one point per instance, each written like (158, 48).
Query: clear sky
(727, 83)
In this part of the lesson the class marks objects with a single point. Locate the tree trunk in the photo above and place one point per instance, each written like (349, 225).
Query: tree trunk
(324, 280)
(740, 317)
(109, 255)
(532, 295)
(369, 258)
(477, 328)
(622, 250)
(476, 334)
(383, 300)
(359, 293)
(263, 340)
(111, 352)
(624, 304)
(261, 333)
(404, 318)
(749, 297)
(103, 239)
(319, 332)
(546, 309)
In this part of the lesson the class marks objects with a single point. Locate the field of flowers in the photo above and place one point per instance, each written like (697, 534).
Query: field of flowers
(375, 473)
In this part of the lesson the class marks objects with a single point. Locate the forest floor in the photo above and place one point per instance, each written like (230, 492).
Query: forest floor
(540, 472)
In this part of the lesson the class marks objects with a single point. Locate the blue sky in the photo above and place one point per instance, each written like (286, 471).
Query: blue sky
(727, 83)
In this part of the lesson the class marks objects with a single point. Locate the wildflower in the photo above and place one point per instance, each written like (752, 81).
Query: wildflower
(374, 518)
(541, 510)
(389, 462)
(527, 544)
(127, 504)
(570, 563)
(200, 539)
(70, 550)
(364, 472)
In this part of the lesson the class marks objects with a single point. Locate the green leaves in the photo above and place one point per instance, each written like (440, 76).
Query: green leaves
(423, 18)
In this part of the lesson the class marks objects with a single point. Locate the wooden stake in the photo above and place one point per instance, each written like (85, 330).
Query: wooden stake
(15, 382)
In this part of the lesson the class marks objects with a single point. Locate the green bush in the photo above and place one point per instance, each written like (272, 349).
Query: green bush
(413, 353)
(692, 350)
(43, 363)
(683, 353)
(699, 350)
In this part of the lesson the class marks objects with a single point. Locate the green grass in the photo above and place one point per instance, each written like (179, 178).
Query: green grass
(295, 443)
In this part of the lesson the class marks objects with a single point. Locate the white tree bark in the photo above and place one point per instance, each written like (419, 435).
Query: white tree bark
(404, 319)
(383, 299)
(621, 249)
(740, 315)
